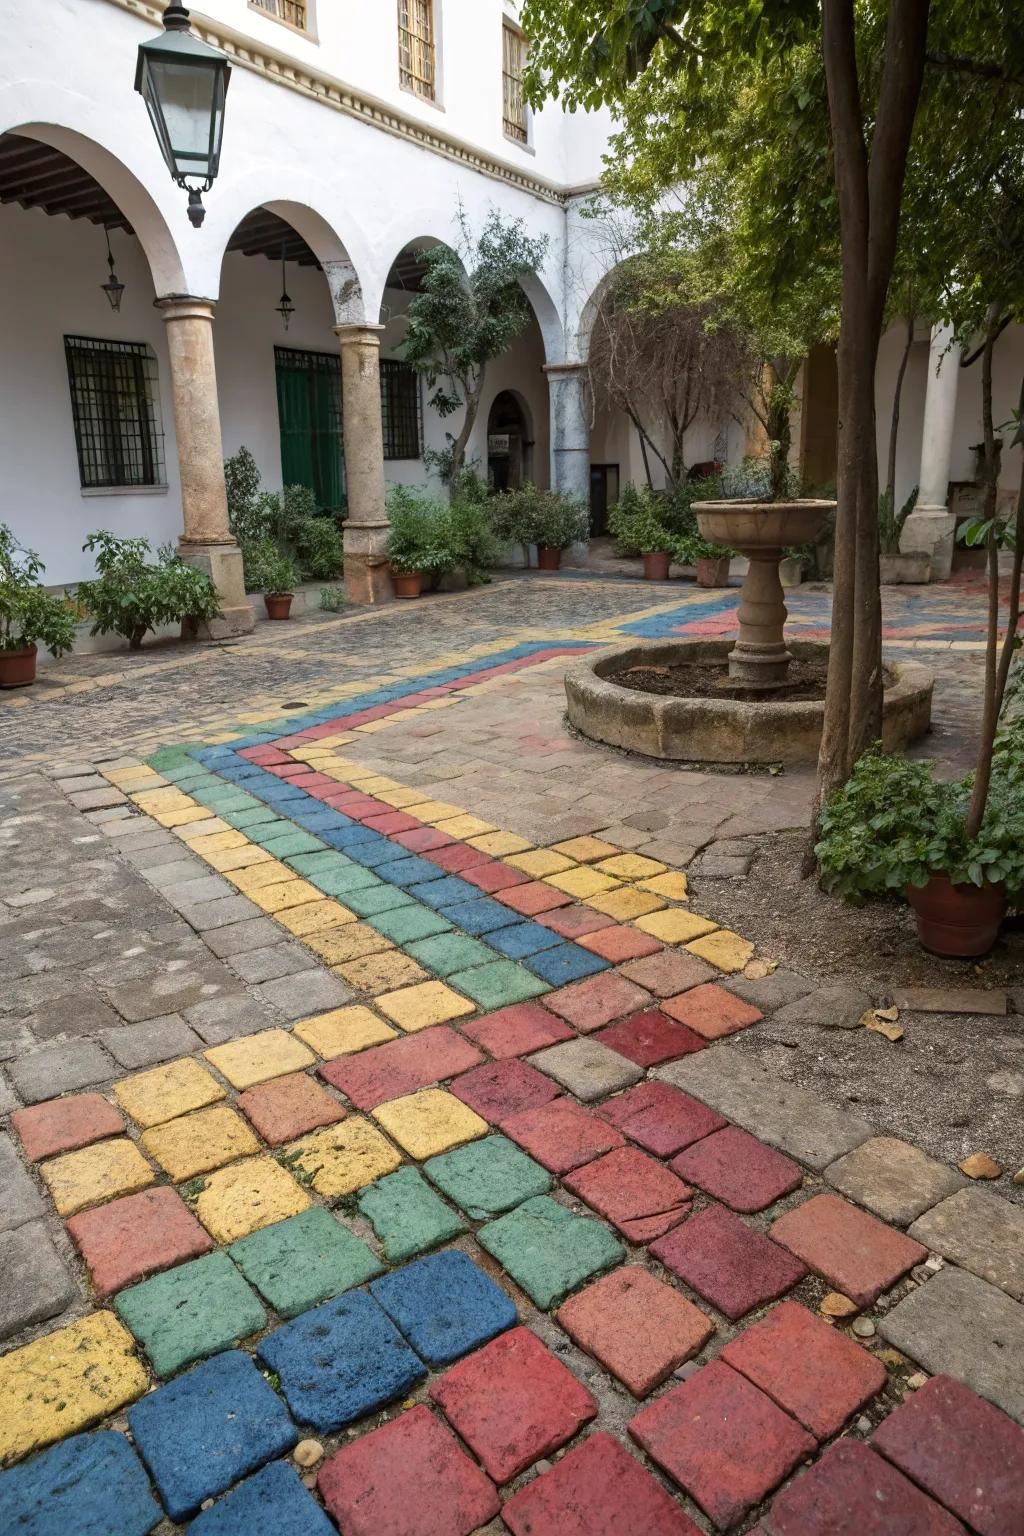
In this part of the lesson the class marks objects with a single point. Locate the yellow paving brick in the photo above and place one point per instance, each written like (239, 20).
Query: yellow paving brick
(235, 858)
(256, 1058)
(343, 1030)
(64, 1382)
(625, 904)
(288, 893)
(169, 799)
(202, 825)
(675, 926)
(372, 726)
(229, 839)
(331, 945)
(430, 1003)
(315, 917)
(430, 1122)
(631, 866)
(165, 1092)
(724, 949)
(247, 1196)
(672, 884)
(97, 1173)
(343, 1158)
(465, 826)
(124, 777)
(375, 783)
(499, 843)
(540, 862)
(432, 811)
(197, 1143)
(353, 940)
(270, 873)
(173, 819)
(381, 972)
(585, 850)
(582, 882)
(399, 797)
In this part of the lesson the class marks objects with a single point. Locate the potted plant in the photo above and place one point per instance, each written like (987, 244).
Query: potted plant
(132, 595)
(417, 546)
(558, 522)
(280, 577)
(29, 616)
(638, 525)
(711, 561)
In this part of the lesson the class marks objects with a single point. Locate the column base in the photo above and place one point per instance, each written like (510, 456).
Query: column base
(759, 666)
(367, 574)
(223, 564)
(931, 530)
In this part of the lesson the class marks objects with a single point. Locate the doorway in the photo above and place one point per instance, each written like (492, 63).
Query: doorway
(509, 443)
(604, 493)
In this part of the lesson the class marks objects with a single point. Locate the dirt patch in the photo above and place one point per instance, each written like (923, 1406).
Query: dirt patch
(954, 1084)
(711, 680)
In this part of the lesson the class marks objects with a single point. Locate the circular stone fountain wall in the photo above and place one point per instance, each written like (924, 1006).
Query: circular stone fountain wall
(725, 730)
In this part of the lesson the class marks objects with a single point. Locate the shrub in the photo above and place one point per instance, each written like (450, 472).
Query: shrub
(28, 615)
(288, 521)
(132, 596)
(417, 540)
(527, 515)
(468, 531)
(280, 576)
(332, 599)
(638, 524)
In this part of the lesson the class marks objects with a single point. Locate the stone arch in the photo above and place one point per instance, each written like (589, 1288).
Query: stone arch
(320, 236)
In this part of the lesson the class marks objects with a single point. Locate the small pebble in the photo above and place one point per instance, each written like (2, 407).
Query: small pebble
(544, 1466)
(307, 1453)
(916, 1381)
(309, 1481)
(921, 1273)
(934, 1262)
(863, 1327)
(864, 1424)
(980, 1166)
(206, 1504)
(686, 1370)
(1018, 1178)
(835, 1304)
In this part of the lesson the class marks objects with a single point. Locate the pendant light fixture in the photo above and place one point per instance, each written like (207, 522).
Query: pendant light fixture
(113, 287)
(286, 308)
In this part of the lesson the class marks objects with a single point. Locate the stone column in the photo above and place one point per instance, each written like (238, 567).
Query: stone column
(366, 527)
(931, 526)
(206, 540)
(570, 437)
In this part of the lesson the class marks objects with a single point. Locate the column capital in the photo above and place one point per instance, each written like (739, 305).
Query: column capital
(185, 306)
(563, 370)
(353, 331)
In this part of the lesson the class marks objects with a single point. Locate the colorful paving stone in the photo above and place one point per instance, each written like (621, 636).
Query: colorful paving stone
(298, 1263)
(587, 1069)
(649, 1038)
(445, 1305)
(381, 972)
(503, 1088)
(487, 1177)
(64, 1125)
(125, 1240)
(165, 1092)
(255, 1058)
(660, 1118)
(723, 949)
(711, 1012)
(513, 1402)
(499, 984)
(289, 1107)
(637, 1326)
(340, 1361)
(411, 1464)
(636, 1193)
(415, 1008)
(574, 922)
(429, 1122)
(402, 1066)
(99, 1172)
(91, 1485)
(598, 1489)
(853, 1492)
(566, 963)
(627, 904)
(668, 973)
(200, 1142)
(619, 942)
(190, 1312)
(856, 1253)
(590, 1004)
(675, 926)
(340, 1159)
(532, 899)
(739, 1170)
(272, 1500)
(238, 1200)
(343, 1030)
(199, 1434)
(517, 1030)
(408, 1217)
(727, 1262)
(548, 1250)
(561, 1135)
(446, 953)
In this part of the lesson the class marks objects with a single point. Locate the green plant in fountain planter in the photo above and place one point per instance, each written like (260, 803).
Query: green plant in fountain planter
(132, 596)
(29, 615)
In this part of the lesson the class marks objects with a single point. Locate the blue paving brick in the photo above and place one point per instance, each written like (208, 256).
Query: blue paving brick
(568, 962)
(91, 1485)
(205, 1430)
(446, 892)
(317, 819)
(348, 839)
(481, 915)
(445, 1305)
(522, 939)
(340, 1361)
(378, 856)
(413, 871)
(284, 792)
(272, 1501)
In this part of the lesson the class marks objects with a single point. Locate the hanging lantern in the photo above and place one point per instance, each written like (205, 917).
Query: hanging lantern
(113, 287)
(184, 83)
(286, 308)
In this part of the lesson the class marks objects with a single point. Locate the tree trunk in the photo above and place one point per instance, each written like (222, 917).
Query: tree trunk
(461, 443)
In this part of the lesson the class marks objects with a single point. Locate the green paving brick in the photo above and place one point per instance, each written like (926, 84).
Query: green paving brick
(291, 843)
(407, 1215)
(190, 1312)
(499, 984)
(254, 818)
(266, 831)
(448, 952)
(368, 900)
(320, 860)
(227, 800)
(487, 1177)
(410, 922)
(307, 1259)
(549, 1251)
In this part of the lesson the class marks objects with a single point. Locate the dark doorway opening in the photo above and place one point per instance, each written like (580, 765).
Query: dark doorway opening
(509, 443)
(604, 493)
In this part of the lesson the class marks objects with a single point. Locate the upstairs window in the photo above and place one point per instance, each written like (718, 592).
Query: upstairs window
(416, 54)
(295, 13)
(513, 106)
(115, 407)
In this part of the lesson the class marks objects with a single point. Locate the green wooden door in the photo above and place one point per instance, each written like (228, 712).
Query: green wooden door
(309, 412)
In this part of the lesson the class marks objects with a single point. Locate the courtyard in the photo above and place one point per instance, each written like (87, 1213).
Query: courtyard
(393, 1080)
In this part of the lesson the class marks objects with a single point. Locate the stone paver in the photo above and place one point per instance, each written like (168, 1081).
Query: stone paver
(60, 1068)
(517, 1030)
(548, 1250)
(598, 1489)
(90, 1484)
(248, 1195)
(981, 1232)
(730, 1264)
(200, 1142)
(853, 1490)
(650, 1038)
(20, 1200)
(64, 1125)
(445, 1305)
(893, 1179)
(635, 1192)
(100, 1172)
(342, 1158)
(711, 1011)
(826, 1008)
(125, 1240)
(407, 1215)
(487, 1177)
(190, 1312)
(34, 1282)
(344, 1030)
(503, 1088)
(562, 1135)
(668, 972)
(272, 1053)
(429, 1122)
(418, 1007)
(738, 1169)
(272, 1499)
(166, 1092)
(147, 1044)
(856, 1253)
(401, 1066)
(589, 1004)
(289, 1107)
(638, 1327)
(660, 1118)
(587, 1069)
(299, 1263)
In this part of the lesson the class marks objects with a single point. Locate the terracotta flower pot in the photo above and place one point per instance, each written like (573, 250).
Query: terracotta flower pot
(713, 571)
(656, 565)
(548, 558)
(278, 604)
(960, 921)
(407, 583)
(18, 668)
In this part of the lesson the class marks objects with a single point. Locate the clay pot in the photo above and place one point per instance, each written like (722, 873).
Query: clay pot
(713, 572)
(18, 668)
(961, 921)
(548, 558)
(407, 583)
(656, 565)
(278, 604)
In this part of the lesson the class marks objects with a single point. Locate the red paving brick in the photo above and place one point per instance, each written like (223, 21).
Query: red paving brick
(408, 1478)
(661, 1118)
(517, 1030)
(576, 921)
(739, 1170)
(504, 1088)
(288, 1107)
(493, 876)
(649, 1038)
(722, 1440)
(712, 1011)
(856, 1253)
(561, 1135)
(639, 1195)
(961, 1450)
(620, 942)
(457, 857)
(513, 1402)
(423, 839)
(391, 821)
(637, 1326)
(135, 1236)
(596, 1001)
(727, 1262)
(401, 1066)
(853, 1492)
(533, 897)
(61, 1125)
(819, 1375)
(598, 1489)
(669, 972)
